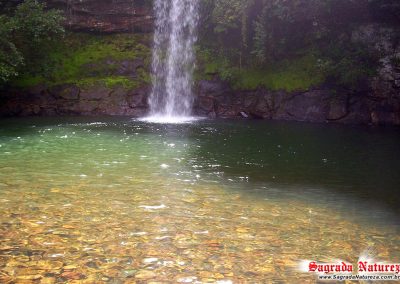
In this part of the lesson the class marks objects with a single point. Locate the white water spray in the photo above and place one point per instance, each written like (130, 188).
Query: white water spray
(173, 63)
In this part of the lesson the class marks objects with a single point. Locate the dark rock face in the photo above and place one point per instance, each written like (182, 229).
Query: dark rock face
(106, 15)
(214, 99)
(379, 103)
(384, 93)
(72, 100)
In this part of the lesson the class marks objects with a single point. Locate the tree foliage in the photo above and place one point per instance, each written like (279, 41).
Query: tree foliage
(10, 57)
(26, 36)
(265, 32)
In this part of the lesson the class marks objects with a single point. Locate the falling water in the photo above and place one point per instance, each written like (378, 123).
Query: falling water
(173, 60)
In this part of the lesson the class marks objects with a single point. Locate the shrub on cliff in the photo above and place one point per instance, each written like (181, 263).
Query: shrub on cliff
(276, 36)
(26, 36)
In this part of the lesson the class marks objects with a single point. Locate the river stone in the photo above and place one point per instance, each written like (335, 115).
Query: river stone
(145, 274)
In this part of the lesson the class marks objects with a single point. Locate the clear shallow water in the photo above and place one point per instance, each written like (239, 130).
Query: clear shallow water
(117, 201)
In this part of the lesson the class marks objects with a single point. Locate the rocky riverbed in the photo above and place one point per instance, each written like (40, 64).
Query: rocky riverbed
(120, 201)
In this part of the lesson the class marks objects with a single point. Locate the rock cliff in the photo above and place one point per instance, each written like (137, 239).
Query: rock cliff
(214, 99)
(383, 95)
(378, 103)
(106, 15)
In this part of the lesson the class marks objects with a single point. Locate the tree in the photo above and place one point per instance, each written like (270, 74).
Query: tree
(10, 58)
(26, 38)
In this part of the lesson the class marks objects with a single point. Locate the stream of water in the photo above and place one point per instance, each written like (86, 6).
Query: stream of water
(173, 60)
(111, 200)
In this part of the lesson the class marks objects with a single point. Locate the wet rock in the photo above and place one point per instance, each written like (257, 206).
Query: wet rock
(48, 280)
(48, 265)
(339, 108)
(128, 67)
(150, 260)
(72, 275)
(105, 16)
(29, 277)
(95, 93)
(310, 106)
(206, 104)
(5, 277)
(70, 267)
(214, 87)
(244, 115)
(67, 92)
(185, 279)
(112, 273)
(92, 264)
(208, 280)
(242, 230)
(137, 98)
(129, 273)
(145, 275)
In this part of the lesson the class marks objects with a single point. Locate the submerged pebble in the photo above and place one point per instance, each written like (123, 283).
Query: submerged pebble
(133, 221)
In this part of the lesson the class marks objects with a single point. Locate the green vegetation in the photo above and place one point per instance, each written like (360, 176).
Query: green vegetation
(339, 67)
(276, 44)
(26, 36)
(288, 45)
(35, 50)
(294, 75)
(85, 60)
(297, 74)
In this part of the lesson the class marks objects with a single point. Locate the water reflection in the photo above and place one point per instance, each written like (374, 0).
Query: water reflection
(108, 200)
(356, 161)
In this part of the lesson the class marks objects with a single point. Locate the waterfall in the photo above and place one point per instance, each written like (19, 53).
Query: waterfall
(173, 62)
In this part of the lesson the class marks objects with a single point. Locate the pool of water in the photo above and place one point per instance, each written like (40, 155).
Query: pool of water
(113, 200)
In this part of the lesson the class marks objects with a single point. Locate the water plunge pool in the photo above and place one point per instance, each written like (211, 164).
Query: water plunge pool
(117, 201)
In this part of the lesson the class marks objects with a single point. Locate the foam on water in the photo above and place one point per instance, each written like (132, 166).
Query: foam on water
(170, 119)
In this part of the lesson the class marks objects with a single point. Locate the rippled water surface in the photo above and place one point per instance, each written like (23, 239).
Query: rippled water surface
(120, 201)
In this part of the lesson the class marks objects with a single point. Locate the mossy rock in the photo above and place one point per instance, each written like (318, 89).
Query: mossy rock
(86, 59)
(300, 73)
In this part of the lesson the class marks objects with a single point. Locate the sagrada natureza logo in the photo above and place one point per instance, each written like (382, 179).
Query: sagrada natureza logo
(367, 268)
(362, 267)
